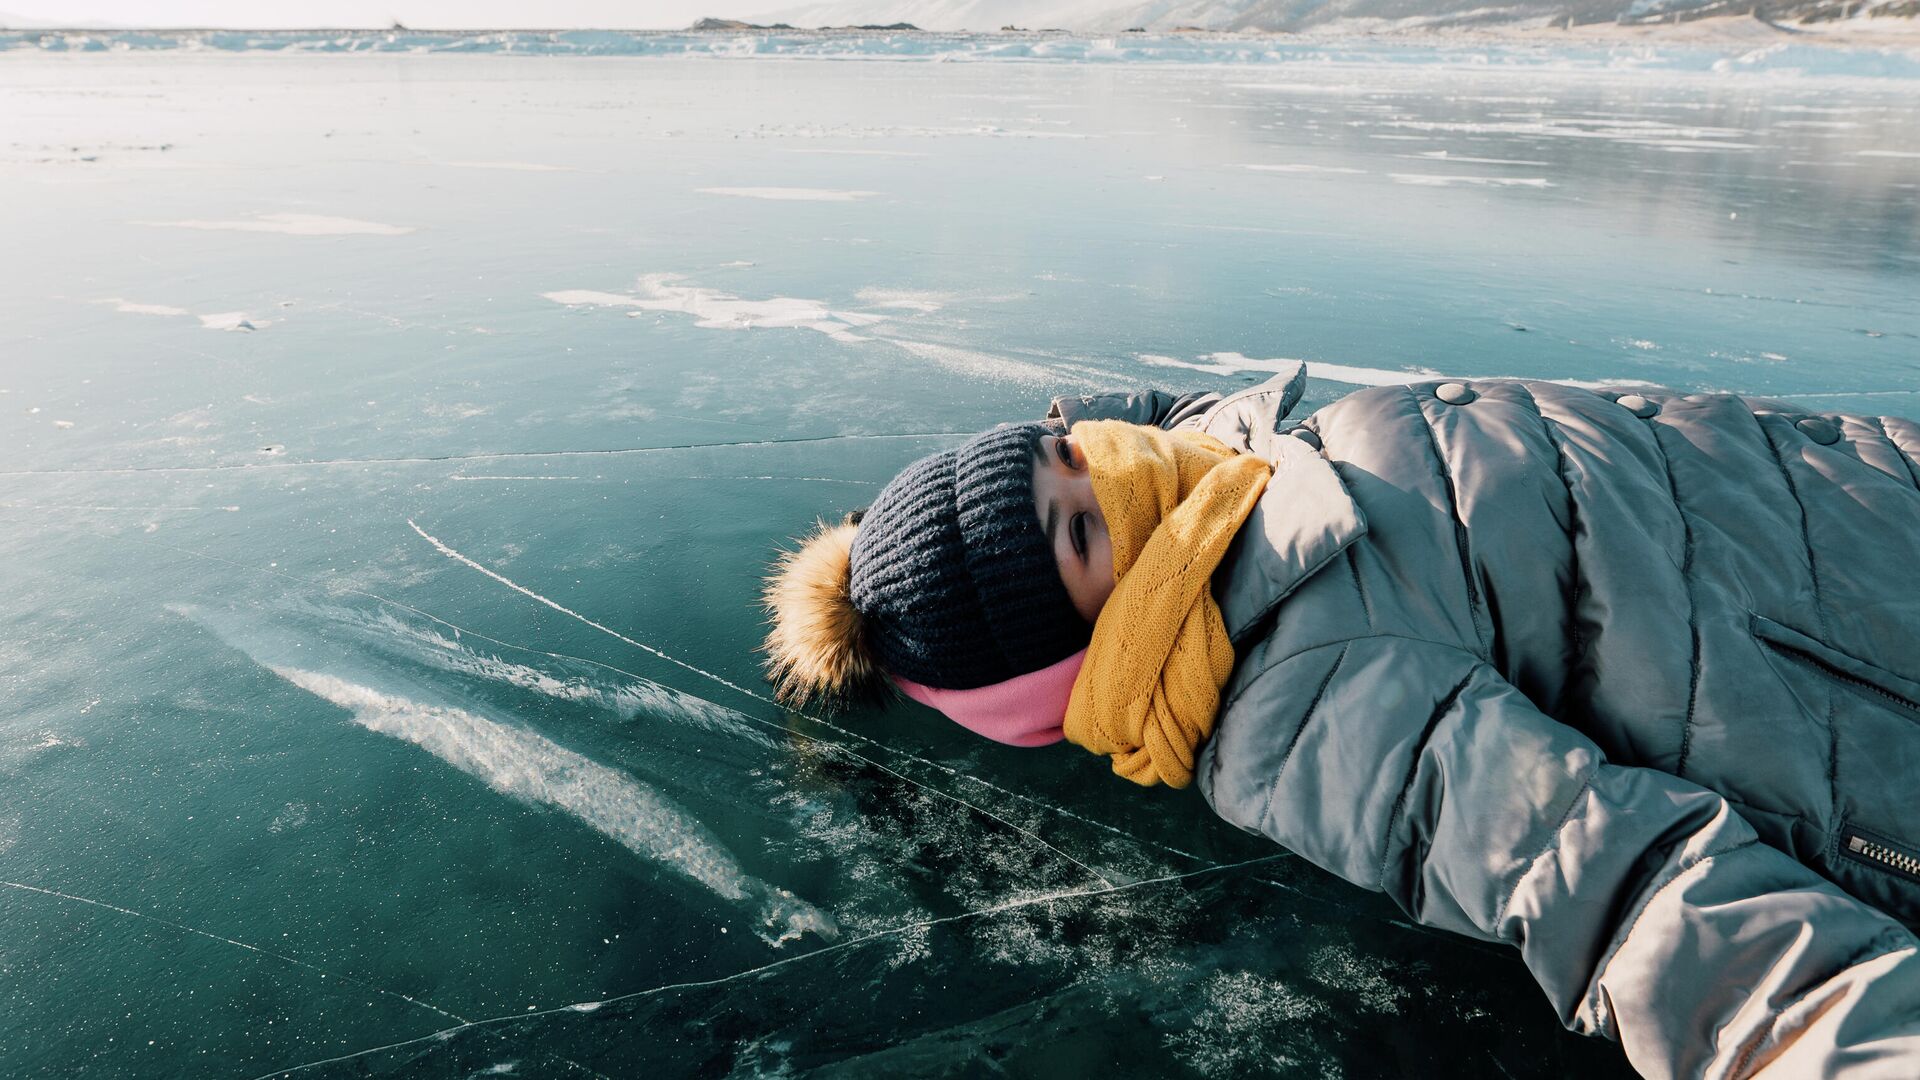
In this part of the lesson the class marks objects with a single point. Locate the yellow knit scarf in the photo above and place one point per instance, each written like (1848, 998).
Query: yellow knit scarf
(1147, 692)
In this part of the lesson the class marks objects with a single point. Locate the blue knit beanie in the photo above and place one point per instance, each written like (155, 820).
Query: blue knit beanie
(953, 575)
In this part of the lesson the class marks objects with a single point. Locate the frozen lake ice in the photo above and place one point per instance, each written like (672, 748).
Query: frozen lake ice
(393, 444)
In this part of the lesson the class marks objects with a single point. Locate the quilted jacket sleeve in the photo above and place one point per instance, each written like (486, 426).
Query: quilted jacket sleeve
(1643, 904)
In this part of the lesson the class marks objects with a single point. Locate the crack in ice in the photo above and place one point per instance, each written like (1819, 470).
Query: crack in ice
(594, 1006)
(782, 729)
(499, 455)
(564, 610)
(182, 927)
(523, 590)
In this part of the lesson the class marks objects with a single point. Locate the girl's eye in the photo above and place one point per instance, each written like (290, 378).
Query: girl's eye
(1077, 532)
(1060, 450)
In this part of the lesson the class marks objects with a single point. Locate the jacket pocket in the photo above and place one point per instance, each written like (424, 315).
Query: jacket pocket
(1850, 671)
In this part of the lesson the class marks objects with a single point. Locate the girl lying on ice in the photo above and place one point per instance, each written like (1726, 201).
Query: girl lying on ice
(1628, 681)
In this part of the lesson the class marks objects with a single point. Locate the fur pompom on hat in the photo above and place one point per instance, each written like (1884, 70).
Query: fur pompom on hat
(817, 650)
(947, 580)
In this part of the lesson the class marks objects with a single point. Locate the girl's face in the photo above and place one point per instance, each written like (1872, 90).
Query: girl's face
(1063, 499)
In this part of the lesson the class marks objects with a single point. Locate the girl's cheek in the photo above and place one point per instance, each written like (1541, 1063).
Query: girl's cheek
(1101, 558)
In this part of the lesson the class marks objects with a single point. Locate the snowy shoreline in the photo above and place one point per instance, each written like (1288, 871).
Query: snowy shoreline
(1182, 44)
(1731, 46)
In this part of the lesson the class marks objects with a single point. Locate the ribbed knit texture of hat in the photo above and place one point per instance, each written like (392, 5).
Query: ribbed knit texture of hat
(953, 573)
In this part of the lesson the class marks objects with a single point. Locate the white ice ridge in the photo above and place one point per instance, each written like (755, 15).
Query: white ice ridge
(628, 699)
(717, 310)
(292, 225)
(533, 769)
(511, 166)
(1232, 363)
(783, 731)
(467, 476)
(1447, 155)
(523, 590)
(1449, 180)
(860, 153)
(1303, 168)
(789, 194)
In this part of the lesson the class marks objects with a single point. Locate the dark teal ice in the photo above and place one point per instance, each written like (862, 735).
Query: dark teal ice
(393, 444)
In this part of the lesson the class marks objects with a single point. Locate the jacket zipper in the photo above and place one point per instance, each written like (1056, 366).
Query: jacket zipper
(1910, 706)
(1867, 686)
(1884, 856)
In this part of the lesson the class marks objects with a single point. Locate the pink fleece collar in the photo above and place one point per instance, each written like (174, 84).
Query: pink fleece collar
(1026, 710)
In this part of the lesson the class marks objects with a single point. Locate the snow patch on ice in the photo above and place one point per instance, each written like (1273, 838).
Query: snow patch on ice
(976, 363)
(532, 769)
(233, 320)
(719, 310)
(292, 225)
(132, 308)
(922, 300)
(789, 194)
(714, 309)
(224, 320)
(590, 297)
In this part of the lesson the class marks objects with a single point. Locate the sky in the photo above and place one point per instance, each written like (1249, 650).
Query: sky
(440, 14)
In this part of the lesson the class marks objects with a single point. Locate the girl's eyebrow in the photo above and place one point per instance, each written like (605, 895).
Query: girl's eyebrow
(1053, 518)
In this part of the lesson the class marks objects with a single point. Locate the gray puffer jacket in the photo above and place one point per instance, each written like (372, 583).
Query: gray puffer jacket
(1629, 681)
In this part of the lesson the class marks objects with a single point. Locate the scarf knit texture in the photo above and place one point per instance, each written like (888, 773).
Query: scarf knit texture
(1150, 686)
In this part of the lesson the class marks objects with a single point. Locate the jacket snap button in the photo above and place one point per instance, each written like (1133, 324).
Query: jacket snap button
(1306, 436)
(1454, 393)
(1819, 430)
(1637, 405)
